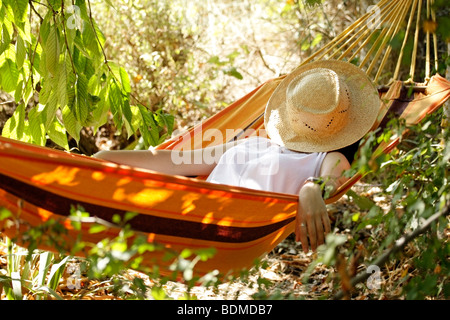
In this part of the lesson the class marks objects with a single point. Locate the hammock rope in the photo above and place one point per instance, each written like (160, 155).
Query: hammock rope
(369, 40)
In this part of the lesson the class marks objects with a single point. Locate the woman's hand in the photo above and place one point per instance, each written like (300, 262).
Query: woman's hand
(312, 217)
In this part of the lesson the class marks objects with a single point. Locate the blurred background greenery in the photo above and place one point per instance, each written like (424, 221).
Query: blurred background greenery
(192, 58)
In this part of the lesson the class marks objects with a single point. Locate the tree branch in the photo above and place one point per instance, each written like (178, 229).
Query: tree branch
(63, 18)
(399, 245)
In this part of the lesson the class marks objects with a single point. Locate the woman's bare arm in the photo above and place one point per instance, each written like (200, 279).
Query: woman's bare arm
(312, 221)
(175, 162)
(333, 167)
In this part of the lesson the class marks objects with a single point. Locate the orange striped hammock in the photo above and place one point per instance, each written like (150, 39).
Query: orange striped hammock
(38, 184)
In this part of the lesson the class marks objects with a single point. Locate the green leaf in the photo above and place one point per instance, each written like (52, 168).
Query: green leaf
(71, 124)
(78, 41)
(89, 69)
(206, 254)
(83, 11)
(27, 92)
(57, 133)
(100, 113)
(127, 116)
(52, 51)
(100, 36)
(305, 45)
(115, 101)
(125, 80)
(10, 75)
(316, 40)
(232, 71)
(50, 110)
(90, 40)
(216, 60)
(443, 26)
(45, 92)
(96, 228)
(329, 251)
(130, 215)
(56, 272)
(115, 69)
(5, 214)
(362, 202)
(20, 10)
(24, 30)
(149, 129)
(186, 253)
(37, 126)
(44, 264)
(55, 4)
(355, 217)
(158, 293)
(5, 38)
(44, 30)
(81, 106)
(14, 127)
(48, 290)
(165, 121)
(70, 83)
(137, 119)
(61, 86)
(20, 52)
(18, 92)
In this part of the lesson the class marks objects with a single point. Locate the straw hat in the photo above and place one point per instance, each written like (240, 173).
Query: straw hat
(322, 106)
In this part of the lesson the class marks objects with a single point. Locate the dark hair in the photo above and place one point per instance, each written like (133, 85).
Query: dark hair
(350, 151)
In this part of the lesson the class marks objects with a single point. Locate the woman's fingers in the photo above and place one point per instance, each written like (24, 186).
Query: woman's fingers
(317, 226)
(326, 223)
(319, 230)
(311, 226)
(301, 232)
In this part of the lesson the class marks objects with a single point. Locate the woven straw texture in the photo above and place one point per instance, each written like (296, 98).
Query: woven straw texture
(304, 122)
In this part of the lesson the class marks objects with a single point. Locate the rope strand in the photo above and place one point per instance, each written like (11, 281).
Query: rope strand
(370, 38)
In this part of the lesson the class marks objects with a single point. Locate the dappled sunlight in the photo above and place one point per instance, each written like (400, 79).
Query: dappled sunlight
(44, 214)
(226, 222)
(208, 218)
(144, 197)
(278, 236)
(151, 237)
(98, 176)
(61, 175)
(124, 181)
(228, 208)
(282, 216)
(187, 205)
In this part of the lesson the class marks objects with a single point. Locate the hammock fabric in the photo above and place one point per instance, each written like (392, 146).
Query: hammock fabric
(38, 184)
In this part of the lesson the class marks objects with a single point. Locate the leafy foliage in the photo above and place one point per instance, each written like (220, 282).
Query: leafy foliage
(59, 55)
(35, 274)
(161, 45)
(55, 50)
(414, 179)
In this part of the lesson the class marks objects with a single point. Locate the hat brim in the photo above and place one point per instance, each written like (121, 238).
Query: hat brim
(365, 104)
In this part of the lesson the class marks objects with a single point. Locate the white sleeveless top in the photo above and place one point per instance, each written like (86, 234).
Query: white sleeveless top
(258, 163)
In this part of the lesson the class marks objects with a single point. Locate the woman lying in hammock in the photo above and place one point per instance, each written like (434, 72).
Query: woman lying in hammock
(316, 114)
